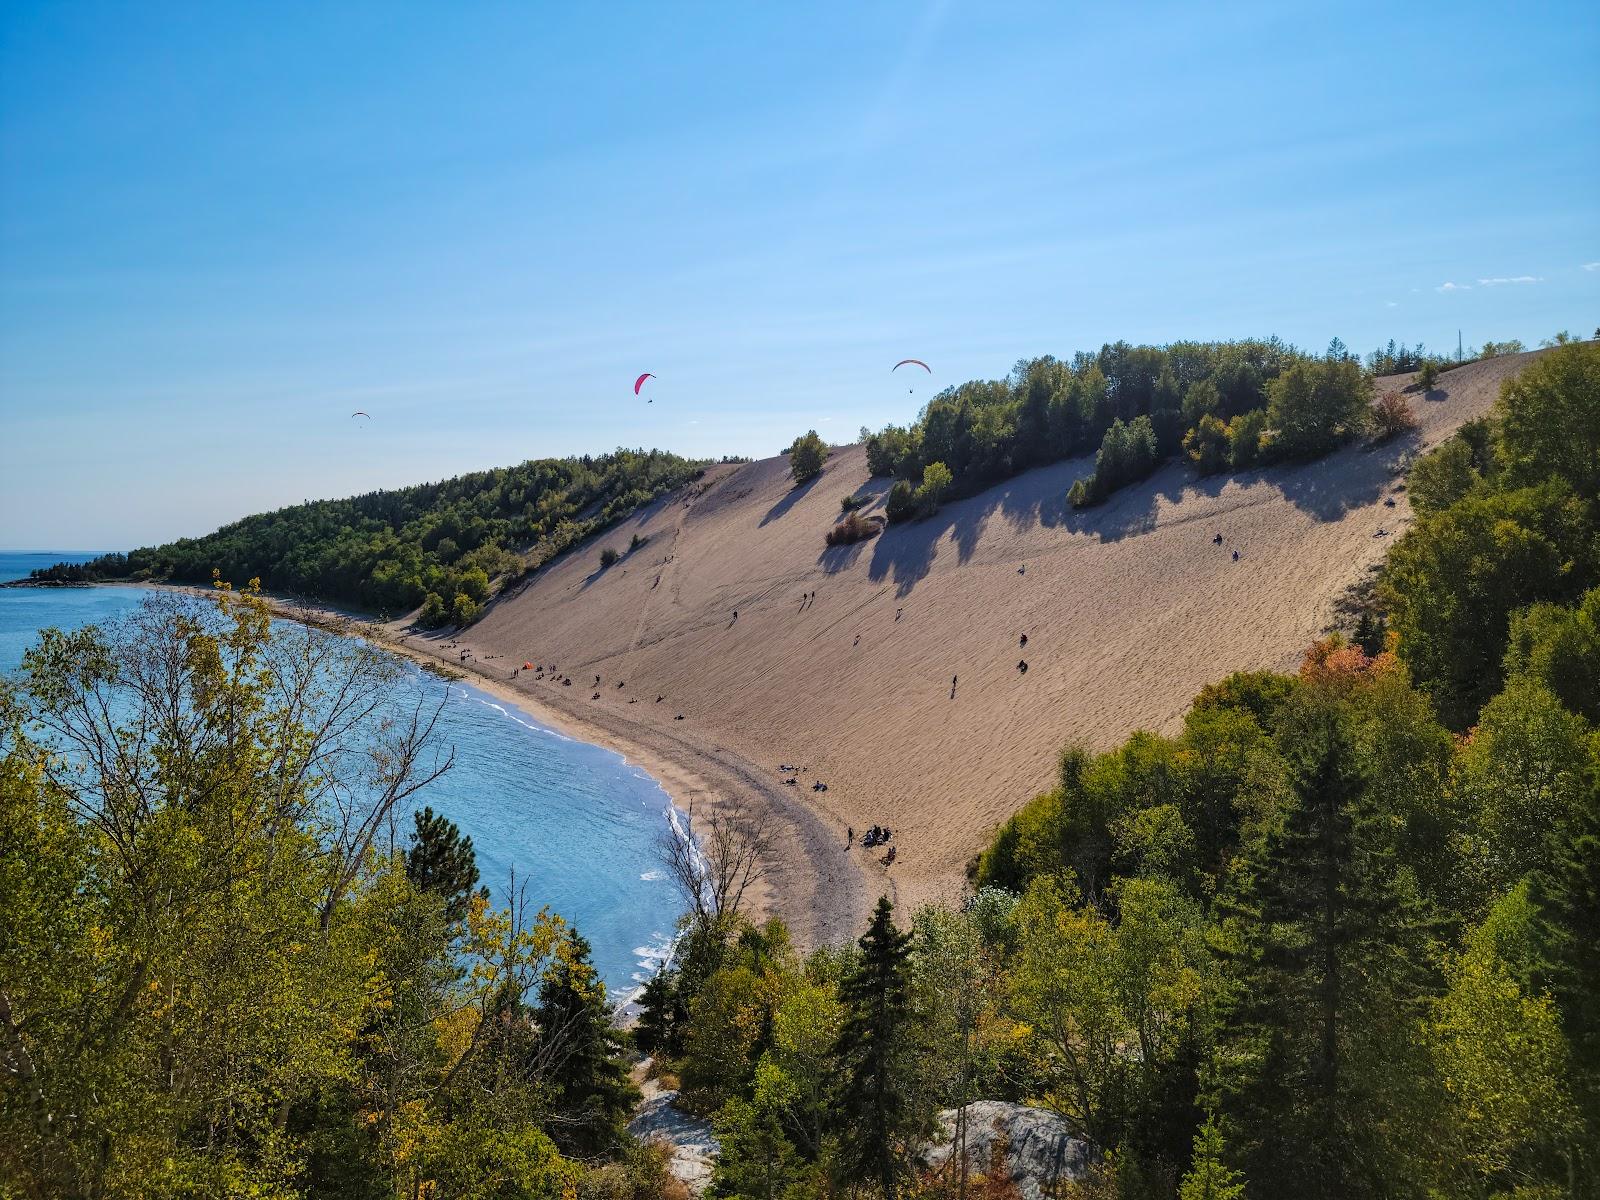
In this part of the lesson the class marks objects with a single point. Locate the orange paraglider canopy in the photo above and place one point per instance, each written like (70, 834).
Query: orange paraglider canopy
(527, 666)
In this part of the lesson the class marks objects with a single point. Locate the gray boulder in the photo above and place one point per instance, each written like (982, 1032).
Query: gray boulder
(1040, 1152)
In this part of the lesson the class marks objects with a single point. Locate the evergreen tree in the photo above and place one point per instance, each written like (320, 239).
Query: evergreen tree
(657, 1004)
(1210, 1178)
(1566, 901)
(1325, 972)
(874, 1109)
(581, 1054)
(442, 861)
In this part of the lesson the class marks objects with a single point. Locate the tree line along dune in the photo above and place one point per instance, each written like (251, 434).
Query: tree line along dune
(891, 669)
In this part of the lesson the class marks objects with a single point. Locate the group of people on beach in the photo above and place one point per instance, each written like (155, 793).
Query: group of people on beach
(878, 835)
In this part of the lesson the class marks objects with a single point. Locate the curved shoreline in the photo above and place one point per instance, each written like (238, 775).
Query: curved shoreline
(812, 883)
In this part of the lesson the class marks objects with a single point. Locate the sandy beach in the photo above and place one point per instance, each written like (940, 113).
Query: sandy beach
(732, 642)
(812, 882)
(890, 671)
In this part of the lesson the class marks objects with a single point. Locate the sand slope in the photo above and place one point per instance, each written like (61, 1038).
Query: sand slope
(1129, 609)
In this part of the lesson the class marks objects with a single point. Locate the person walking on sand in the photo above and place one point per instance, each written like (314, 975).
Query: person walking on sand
(849, 836)
(1024, 642)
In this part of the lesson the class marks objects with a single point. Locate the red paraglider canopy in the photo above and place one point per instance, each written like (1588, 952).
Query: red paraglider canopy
(639, 382)
(527, 666)
(916, 361)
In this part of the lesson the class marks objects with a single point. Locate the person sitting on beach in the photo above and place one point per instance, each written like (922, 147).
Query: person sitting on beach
(1235, 556)
(1024, 641)
(1217, 541)
(1022, 665)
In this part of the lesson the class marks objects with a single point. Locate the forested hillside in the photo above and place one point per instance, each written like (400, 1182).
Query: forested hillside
(1335, 938)
(1224, 405)
(1221, 405)
(436, 544)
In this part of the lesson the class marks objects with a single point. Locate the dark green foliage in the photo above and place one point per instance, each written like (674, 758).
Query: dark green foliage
(1317, 404)
(1328, 937)
(442, 861)
(608, 555)
(1397, 359)
(902, 502)
(849, 504)
(1428, 375)
(1549, 418)
(1048, 409)
(1560, 647)
(806, 456)
(1127, 453)
(1452, 583)
(1506, 524)
(874, 1112)
(657, 1010)
(1207, 445)
(583, 1055)
(636, 541)
(1566, 903)
(1443, 476)
(388, 551)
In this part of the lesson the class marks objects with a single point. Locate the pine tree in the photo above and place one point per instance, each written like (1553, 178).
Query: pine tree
(1566, 901)
(657, 1005)
(441, 860)
(874, 1109)
(1210, 1178)
(581, 1055)
(1328, 970)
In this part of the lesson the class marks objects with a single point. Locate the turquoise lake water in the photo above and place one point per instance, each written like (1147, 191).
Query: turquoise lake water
(576, 822)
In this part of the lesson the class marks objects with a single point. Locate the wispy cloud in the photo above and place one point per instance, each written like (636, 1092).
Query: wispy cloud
(1453, 287)
(1390, 304)
(1501, 280)
(1591, 266)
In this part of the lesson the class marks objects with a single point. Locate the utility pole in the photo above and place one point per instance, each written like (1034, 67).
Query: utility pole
(1458, 346)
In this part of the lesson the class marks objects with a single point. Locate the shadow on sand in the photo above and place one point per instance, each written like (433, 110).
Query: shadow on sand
(1325, 489)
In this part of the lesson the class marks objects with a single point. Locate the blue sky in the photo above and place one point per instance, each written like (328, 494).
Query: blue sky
(223, 228)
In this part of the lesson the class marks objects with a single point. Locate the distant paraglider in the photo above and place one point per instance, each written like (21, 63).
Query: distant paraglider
(916, 362)
(639, 383)
(359, 413)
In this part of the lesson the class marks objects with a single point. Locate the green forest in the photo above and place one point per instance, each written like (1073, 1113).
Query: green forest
(1333, 938)
(1219, 405)
(440, 546)
(445, 548)
(1336, 938)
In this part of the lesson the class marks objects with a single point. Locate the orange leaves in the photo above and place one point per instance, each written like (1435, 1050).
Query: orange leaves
(1331, 660)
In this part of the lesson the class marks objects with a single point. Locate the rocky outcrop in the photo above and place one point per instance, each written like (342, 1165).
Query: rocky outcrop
(694, 1147)
(1036, 1147)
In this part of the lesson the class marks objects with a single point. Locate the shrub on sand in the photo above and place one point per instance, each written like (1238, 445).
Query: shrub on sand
(854, 528)
(1391, 416)
(608, 556)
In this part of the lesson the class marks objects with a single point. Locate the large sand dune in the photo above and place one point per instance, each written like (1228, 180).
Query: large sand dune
(1129, 609)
